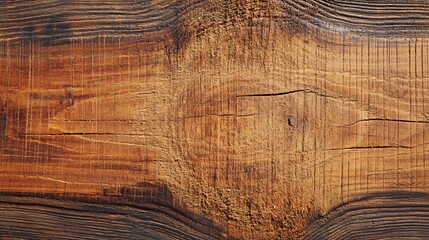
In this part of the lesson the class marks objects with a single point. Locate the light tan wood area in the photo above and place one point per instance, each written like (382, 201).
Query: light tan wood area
(214, 119)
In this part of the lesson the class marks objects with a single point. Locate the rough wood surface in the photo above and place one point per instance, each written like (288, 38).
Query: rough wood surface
(231, 119)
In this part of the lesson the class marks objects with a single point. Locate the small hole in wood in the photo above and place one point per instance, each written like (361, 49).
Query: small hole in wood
(291, 121)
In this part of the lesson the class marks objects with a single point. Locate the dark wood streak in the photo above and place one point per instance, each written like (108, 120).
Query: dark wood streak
(36, 218)
(3, 122)
(398, 215)
(57, 31)
(58, 22)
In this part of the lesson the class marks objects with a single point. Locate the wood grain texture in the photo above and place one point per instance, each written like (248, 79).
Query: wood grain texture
(393, 215)
(253, 119)
(35, 218)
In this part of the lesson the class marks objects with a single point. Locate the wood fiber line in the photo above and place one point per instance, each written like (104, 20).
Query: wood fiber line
(36, 218)
(400, 215)
(253, 117)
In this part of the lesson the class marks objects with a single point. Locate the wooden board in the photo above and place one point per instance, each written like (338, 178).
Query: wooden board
(282, 119)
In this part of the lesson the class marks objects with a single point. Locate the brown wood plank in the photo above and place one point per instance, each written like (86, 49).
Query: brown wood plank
(259, 119)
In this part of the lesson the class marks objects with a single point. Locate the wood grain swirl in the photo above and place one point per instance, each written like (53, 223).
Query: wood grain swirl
(396, 215)
(388, 17)
(57, 22)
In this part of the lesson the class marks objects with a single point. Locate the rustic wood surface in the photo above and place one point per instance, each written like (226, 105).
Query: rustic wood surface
(210, 119)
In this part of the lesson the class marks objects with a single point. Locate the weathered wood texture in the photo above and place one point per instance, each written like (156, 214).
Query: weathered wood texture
(214, 119)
